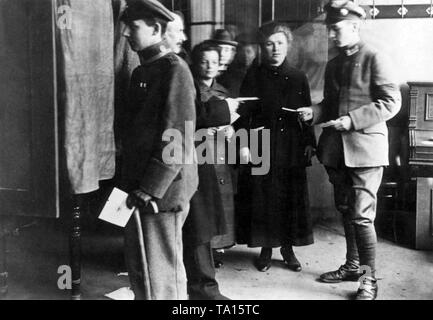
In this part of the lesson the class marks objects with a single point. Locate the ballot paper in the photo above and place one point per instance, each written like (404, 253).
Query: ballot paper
(234, 116)
(242, 99)
(329, 123)
(115, 210)
(290, 110)
(121, 294)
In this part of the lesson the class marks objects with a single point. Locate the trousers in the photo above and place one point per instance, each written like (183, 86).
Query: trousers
(165, 275)
(199, 264)
(355, 196)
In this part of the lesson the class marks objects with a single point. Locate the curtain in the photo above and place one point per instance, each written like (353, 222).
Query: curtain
(85, 38)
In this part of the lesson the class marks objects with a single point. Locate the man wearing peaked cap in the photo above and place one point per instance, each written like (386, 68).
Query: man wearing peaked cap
(343, 10)
(137, 9)
(353, 146)
(162, 100)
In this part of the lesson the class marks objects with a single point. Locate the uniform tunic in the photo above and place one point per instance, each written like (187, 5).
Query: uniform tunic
(162, 96)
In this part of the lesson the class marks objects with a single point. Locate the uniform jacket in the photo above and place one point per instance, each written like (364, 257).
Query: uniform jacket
(361, 86)
(162, 97)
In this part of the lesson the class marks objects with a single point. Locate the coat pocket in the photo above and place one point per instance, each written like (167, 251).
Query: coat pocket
(379, 128)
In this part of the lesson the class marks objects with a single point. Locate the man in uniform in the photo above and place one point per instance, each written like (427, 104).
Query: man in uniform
(360, 95)
(162, 97)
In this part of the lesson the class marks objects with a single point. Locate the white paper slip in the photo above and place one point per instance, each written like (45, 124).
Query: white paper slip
(121, 294)
(234, 116)
(290, 110)
(240, 99)
(115, 210)
(328, 124)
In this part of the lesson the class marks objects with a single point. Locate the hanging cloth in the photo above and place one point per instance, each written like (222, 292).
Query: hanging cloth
(85, 38)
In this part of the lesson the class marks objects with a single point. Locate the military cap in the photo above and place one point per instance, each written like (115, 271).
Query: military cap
(222, 36)
(138, 9)
(339, 10)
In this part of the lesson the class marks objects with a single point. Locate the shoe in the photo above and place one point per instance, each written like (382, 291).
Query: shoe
(344, 273)
(290, 259)
(263, 263)
(367, 290)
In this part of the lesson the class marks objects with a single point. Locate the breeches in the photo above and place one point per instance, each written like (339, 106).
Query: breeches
(355, 195)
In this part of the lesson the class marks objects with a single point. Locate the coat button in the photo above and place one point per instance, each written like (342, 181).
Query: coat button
(282, 130)
(287, 78)
(222, 181)
(280, 119)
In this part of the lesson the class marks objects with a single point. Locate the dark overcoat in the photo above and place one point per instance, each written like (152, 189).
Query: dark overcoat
(273, 208)
(206, 219)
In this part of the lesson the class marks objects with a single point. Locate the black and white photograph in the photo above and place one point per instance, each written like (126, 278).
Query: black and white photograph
(228, 151)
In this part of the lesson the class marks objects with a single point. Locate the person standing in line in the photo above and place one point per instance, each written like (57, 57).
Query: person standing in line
(206, 217)
(162, 97)
(277, 202)
(360, 95)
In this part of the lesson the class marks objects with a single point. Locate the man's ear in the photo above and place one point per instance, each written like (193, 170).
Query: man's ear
(356, 26)
(157, 29)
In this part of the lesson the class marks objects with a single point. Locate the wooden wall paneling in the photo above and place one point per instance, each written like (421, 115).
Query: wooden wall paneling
(424, 216)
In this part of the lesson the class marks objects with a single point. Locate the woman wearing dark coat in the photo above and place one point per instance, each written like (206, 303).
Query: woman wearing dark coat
(214, 198)
(274, 207)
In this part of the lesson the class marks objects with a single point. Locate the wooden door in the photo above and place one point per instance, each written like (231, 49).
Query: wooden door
(28, 114)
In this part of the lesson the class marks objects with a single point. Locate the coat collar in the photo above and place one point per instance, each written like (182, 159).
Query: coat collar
(215, 90)
(282, 69)
(153, 53)
(350, 51)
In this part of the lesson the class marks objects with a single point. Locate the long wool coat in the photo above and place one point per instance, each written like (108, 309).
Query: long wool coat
(206, 217)
(272, 209)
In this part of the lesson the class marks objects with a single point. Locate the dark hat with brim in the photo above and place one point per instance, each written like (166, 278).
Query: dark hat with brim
(340, 10)
(222, 36)
(138, 9)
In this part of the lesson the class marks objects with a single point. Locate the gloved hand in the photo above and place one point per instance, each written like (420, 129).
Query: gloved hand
(138, 198)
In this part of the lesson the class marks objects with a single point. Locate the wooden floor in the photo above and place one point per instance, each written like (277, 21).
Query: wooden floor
(39, 251)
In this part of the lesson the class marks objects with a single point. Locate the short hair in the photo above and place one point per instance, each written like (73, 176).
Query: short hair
(198, 50)
(273, 27)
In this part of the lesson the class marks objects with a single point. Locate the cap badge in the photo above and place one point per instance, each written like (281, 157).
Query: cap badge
(344, 12)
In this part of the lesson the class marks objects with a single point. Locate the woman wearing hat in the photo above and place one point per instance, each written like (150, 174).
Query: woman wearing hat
(278, 212)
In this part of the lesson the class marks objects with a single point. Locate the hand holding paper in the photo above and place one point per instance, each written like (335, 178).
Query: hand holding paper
(117, 212)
